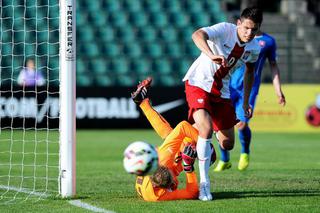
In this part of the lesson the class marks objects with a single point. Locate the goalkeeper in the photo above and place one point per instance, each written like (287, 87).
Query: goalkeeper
(177, 153)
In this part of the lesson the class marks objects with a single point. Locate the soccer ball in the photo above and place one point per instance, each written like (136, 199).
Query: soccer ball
(140, 158)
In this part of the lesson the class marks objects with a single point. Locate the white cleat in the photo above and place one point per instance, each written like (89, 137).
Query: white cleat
(204, 191)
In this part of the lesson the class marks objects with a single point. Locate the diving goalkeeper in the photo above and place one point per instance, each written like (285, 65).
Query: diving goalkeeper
(177, 153)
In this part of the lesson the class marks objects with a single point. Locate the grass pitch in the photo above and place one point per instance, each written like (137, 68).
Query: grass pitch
(283, 176)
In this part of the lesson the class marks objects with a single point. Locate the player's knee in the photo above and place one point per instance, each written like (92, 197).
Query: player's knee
(203, 123)
(227, 144)
(242, 125)
(183, 124)
(205, 130)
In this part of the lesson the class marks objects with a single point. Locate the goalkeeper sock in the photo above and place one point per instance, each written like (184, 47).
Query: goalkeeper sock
(204, 152)
(159, 124)
(245, 139)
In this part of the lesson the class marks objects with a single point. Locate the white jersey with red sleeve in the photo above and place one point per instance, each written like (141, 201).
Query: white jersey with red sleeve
(223, 40)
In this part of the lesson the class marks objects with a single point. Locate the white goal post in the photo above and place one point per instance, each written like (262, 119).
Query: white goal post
(67, 122)
(37, 99)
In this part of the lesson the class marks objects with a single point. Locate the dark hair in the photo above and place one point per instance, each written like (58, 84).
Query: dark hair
(252, 13)
(162, 178)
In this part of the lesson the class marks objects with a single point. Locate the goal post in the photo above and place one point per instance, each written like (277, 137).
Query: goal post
(67, 124)
(37, 99)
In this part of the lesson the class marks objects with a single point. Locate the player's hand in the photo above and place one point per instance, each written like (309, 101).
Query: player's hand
(220, 59)
(282, 100)
(247, 110)
(189, 155)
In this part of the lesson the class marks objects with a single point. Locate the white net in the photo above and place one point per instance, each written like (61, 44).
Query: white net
(29, 99)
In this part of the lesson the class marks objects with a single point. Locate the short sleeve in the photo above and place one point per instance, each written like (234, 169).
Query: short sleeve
(272, 54)
(216, 31)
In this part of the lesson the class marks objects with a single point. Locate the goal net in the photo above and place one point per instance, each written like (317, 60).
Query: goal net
(30, 90)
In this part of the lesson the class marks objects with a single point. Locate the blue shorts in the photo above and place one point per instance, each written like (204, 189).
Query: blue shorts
(237, 99)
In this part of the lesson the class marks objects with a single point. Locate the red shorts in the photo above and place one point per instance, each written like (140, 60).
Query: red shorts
(221, 110)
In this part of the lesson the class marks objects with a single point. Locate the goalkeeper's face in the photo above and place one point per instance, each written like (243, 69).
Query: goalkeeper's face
(162, 178)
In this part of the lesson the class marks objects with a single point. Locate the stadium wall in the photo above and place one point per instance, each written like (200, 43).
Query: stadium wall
(269, 116)
(96, 107)
(112, 107)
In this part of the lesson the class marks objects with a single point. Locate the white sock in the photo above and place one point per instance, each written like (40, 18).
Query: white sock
(204, 154)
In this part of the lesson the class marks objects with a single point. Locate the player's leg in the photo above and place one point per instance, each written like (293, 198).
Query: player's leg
(244, 136)
(224, 119)
(204, 124)
(245, 140)
(142, 90)
(183, 132)
(199, 108)
(140, 97)
(159, 123)
(224, 162)
(244, 132)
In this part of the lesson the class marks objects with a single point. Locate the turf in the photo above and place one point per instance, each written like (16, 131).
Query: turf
(284, 175)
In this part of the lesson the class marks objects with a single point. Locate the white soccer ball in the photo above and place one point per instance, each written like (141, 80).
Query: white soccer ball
(140, 158)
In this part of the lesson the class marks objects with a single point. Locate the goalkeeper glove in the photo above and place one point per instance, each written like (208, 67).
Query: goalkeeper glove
(178, 158)
(188, 155)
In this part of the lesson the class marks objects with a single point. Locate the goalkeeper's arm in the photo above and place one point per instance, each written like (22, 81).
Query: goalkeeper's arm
(191, 191)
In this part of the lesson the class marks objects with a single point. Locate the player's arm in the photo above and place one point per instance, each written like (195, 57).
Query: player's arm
(200, 38)
(276, 82)
(40, 81)
(271, 54)
(190, 192)
(21, 78)
(247, 84)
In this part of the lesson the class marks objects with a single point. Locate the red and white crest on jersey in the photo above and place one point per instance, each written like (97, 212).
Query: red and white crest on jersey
(262, 43)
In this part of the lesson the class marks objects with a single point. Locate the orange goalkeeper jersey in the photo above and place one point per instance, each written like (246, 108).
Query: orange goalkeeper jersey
(167, 152)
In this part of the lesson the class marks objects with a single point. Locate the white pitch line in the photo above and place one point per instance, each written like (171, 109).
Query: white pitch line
(24, 190)
(87, 206)
(77, 203)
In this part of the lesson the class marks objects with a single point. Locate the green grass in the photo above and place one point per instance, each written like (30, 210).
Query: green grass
(283, 176)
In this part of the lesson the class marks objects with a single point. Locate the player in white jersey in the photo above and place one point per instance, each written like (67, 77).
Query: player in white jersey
(224, 47)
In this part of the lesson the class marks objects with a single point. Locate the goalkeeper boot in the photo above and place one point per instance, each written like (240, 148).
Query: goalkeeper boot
(222, 166)
(204, 191)
(141, 92)
(243, 162)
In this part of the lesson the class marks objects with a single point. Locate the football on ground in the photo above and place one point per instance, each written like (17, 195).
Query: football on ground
(140, 158)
